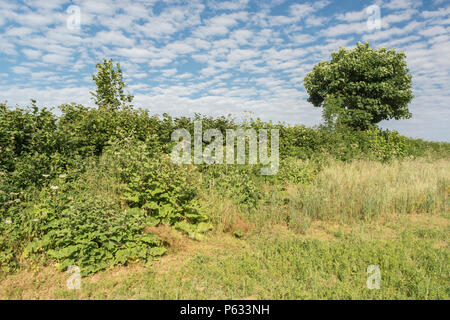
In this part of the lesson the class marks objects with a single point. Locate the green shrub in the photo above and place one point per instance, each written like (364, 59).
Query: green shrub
(74, 224)
(89, 130)
(94, 233)
(299, 171)
(384, 145)
(240, 183)
(27, 143)
(165, 192)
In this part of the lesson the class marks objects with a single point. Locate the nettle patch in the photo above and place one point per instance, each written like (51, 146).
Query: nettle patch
(92, 233)
(167, 193)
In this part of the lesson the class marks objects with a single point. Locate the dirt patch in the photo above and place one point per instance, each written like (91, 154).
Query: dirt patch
(213, 246)
(32, 284)
(173, 240)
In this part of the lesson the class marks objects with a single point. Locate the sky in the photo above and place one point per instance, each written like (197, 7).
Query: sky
(244, 58)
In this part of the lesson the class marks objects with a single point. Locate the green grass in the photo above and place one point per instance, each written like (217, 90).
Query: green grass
(329, 262)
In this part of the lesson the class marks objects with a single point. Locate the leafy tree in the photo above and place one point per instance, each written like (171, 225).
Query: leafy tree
(360, 87)
(110, 86)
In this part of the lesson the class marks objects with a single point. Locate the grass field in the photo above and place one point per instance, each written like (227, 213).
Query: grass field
(311, 240)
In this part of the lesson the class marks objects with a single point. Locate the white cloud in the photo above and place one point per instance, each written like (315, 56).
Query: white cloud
(159, 62)
(394, 31)
(346, 28)
(170, 21)
(433, 31)
(116, 38)
(18, 32)
(229, 5)
(398, 17)
(352, 16)
(32, 54)
(434, 14)
(402, 4)
(58, 59)
(220, 25)
(169, 72)
(299, 11)
(314, 21)
(134, 53)
(299, 39)
(7, 47)
(20, 70)
(242, 36)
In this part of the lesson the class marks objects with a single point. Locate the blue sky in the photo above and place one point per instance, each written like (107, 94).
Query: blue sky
(219, 57)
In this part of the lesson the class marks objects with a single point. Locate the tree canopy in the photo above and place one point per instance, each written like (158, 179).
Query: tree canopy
(110, 86)
(360, 87)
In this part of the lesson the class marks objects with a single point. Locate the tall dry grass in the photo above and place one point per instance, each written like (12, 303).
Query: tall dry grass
(365, 189)
(343, 192)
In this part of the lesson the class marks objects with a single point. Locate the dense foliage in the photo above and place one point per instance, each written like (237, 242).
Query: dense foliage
(360, 87)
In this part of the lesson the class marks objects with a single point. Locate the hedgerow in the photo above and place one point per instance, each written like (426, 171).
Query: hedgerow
(70, 225)
(80, 185)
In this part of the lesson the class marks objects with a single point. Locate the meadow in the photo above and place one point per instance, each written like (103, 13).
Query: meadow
(95, 188)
